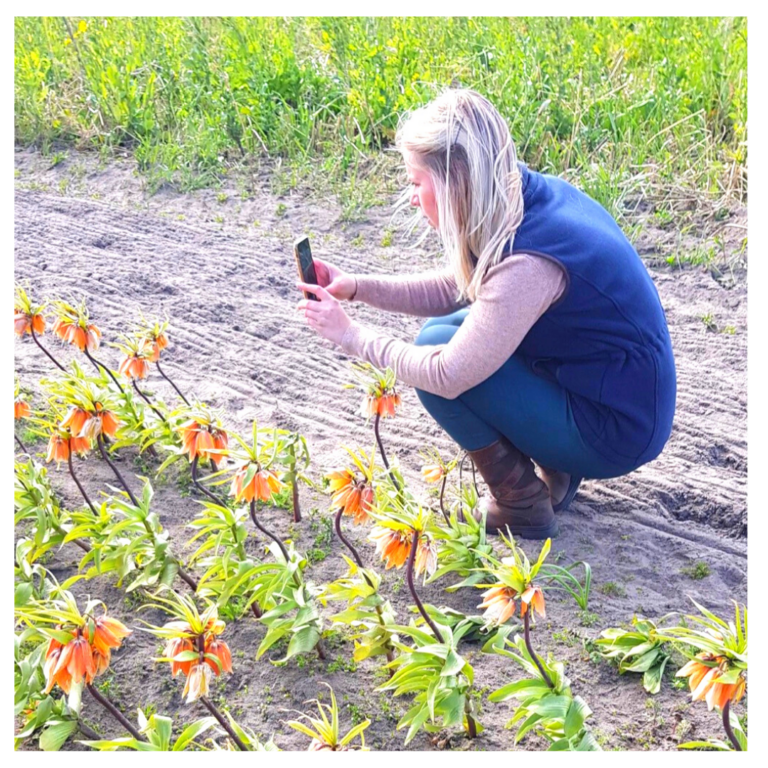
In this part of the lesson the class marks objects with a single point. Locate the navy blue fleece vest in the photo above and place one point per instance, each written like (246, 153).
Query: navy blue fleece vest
(606, 339)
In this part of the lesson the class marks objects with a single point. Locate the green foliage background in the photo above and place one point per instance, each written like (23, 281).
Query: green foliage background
(630, 106)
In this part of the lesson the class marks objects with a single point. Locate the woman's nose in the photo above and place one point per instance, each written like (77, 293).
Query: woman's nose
(415, 200)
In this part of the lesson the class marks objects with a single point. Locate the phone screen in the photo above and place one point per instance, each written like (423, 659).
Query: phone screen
(305, 264)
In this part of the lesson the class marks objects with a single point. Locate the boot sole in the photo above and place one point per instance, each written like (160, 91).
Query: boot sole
(528, 531)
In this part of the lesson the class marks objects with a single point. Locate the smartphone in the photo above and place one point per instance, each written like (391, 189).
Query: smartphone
(305, 265)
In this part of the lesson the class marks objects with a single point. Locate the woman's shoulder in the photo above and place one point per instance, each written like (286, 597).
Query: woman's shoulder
(528, 271)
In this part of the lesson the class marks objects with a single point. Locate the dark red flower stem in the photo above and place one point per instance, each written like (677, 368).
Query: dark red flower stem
(727, 726)
(266, 532)
(146, 399)
(346, 542)
(358, 560)
(383, 452)
(256, 610)
(200, 487)
(295, 493)
(50, 356)
(77, 482)
(178, 391)
(98, 364)
(183, 575)
(442, 496)
(471, 725)
(409, 578)
(21, 445)
(536, 660)
(118, 475)
(224, 723)
(114, 711)
(187, 579)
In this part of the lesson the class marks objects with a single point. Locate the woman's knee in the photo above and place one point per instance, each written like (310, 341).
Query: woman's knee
(432, 333)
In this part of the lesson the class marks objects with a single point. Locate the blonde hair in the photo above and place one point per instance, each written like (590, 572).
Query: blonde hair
(464, 144)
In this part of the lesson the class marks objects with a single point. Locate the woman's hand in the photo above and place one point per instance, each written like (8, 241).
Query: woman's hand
(326, 316)
(339, 284)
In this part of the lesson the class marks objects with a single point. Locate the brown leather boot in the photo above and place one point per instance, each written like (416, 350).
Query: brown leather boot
(520, 499)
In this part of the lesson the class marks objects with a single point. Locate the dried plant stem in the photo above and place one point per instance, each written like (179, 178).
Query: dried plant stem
(266, 532)
(21, 445)
(118, 475)
(200, 487)
(409, 579)
(114, 711)
(77, 482)
(536, 660)
(50, 356)
(223, 723)
(98, 364)
(727, 725)
(146, 399)
(178, 391)
(383, 452)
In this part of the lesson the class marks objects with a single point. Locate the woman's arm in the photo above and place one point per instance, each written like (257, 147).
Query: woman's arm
(429, 294)
(511, 299)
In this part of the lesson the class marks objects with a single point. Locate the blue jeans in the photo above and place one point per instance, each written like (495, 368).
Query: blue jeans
(533, 413)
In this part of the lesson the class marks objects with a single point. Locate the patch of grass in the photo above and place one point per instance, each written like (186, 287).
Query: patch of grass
(697, 571)
(709, 321)
(281, 209)
(342, 664)
(386, 239)
(222, 197)
(357, 242)
(588, 619)
(659, 104)
(612, 589)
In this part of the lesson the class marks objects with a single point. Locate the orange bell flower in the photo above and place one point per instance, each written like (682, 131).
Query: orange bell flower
(196, 440)
(383, 405)
(432, 473)
(58, 448)
(534, 597)
(74, 333)
(174, 647)
(220, 650)
(426, 557)
(77, 658)
(262, 486)
(108, 634)
(499, 603)
(24, 322)
(75, 420)
(134, 367)
(21, 409)
(62, 677)
(392, 546)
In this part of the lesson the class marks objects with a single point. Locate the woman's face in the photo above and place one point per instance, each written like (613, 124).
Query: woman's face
(423, 192)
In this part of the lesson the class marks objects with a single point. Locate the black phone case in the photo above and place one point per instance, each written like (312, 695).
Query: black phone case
(305, 264)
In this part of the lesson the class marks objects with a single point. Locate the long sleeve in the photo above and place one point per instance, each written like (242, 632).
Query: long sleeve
(430, 294)
(511, 299)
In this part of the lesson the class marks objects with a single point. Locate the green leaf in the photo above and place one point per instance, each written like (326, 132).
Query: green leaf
(578, 712)
(453, 664)
(53, 737)
(192, 731)
(302, 642)
(22, 594)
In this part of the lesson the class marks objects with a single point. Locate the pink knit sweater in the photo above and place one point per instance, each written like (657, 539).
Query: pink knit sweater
(511, 298)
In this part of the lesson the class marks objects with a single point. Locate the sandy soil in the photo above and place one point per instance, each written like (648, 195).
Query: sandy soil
(221, 266)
